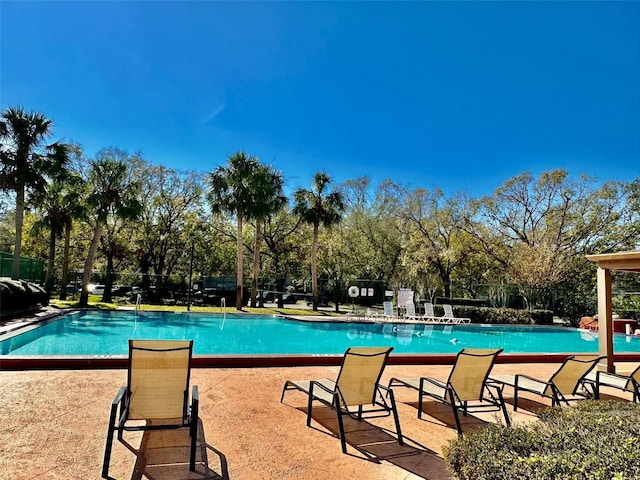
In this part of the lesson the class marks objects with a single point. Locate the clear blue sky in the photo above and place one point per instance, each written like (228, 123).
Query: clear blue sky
(456, 95)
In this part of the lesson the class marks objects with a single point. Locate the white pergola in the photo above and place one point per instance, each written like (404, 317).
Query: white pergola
(622, 261)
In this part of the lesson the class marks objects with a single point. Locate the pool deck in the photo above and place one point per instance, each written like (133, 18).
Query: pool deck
(53, 426)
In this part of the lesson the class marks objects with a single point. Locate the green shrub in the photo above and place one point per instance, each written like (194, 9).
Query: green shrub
(595, 440)
(502, 315)
(467, 302)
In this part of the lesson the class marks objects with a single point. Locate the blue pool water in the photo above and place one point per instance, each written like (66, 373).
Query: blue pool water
(107, 333)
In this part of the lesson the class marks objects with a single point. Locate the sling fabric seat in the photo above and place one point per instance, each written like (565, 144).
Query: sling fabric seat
(566, 384)
(467, 387)
(356, 392)
(627, 383)
(157, 393)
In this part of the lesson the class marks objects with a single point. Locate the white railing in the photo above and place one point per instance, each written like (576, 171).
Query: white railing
(138, 301)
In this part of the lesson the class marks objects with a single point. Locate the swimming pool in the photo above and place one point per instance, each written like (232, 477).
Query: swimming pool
(105, 333)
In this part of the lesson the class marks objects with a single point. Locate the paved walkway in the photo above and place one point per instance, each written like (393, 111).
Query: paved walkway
(53, 426)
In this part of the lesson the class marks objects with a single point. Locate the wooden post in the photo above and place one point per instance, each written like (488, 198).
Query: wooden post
(605, 322)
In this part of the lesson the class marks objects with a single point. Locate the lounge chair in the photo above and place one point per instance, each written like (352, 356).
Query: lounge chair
(627, 383)
(410, 311)
(157, 393)
(430, 315)
(566, 384)
(388, 313)
(357, 386)
(466, 388)
(449, 317)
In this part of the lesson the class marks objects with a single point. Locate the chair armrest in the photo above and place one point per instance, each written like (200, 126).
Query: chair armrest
(119, 396)
(533, 379)
(315, 383)
(435, 382)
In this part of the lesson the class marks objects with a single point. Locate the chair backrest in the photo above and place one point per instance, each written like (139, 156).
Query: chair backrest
(470, 372)
(158, 378)
(448, 310)
(360, 373)
(573, 369)
(428, 309)
(410, 308)
(388, 308)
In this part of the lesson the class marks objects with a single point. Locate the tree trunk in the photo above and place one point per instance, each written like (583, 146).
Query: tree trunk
(65, 261)
(256, 263)
(314, 268)
(88, 265)
(48, 279)
(107, 296)
(17, 249)
(239, 253)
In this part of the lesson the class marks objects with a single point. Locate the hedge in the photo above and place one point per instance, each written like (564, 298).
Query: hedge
(595, 440)
(501, 315)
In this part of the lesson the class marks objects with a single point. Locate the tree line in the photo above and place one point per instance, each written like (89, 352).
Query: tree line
(118, 212)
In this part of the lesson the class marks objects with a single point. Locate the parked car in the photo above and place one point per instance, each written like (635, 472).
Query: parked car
(322, 300)
(96, 289)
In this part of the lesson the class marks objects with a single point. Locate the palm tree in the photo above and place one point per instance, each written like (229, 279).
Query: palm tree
(268, 199)
(317, 207)
(55, 203)
(113, 193)
(23, 165)
(231, 191)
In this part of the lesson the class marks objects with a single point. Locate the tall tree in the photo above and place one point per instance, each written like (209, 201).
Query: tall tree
(59, 203)
(437, 237)
(231, 191)
(268, 199)
(114, 192)
(24, 163)
(317, 207)
(169, 198)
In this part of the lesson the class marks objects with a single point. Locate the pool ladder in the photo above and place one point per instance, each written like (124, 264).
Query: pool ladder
(138, 301)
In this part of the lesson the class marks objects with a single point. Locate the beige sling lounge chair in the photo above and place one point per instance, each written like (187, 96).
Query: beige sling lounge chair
(157, 392)
(356, 392)
(467, 387)
(566, 384)
(627, 383)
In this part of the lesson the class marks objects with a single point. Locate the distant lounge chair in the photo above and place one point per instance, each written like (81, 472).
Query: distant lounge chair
(388, 312)
(627, 383)
(566, 384)
(157, 392)
(357, 386)
(430, 315)
(449, 317)
(466, 388)
(410, 311)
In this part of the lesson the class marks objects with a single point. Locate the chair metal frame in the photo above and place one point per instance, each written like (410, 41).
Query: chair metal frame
(119, 413)
(487, 394)
(335, 395)
(581, 389)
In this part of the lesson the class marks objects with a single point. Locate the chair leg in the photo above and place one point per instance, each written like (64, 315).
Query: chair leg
(504, 408)
(396, 418)
(452, 400)
(343, 440)
(109, 443)
(515, 395)
(193, 427)
(309, 405)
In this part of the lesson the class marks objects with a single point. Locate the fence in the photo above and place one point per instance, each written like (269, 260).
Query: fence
(30, 268)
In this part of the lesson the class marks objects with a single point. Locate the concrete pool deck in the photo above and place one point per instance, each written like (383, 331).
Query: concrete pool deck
(53, 426)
